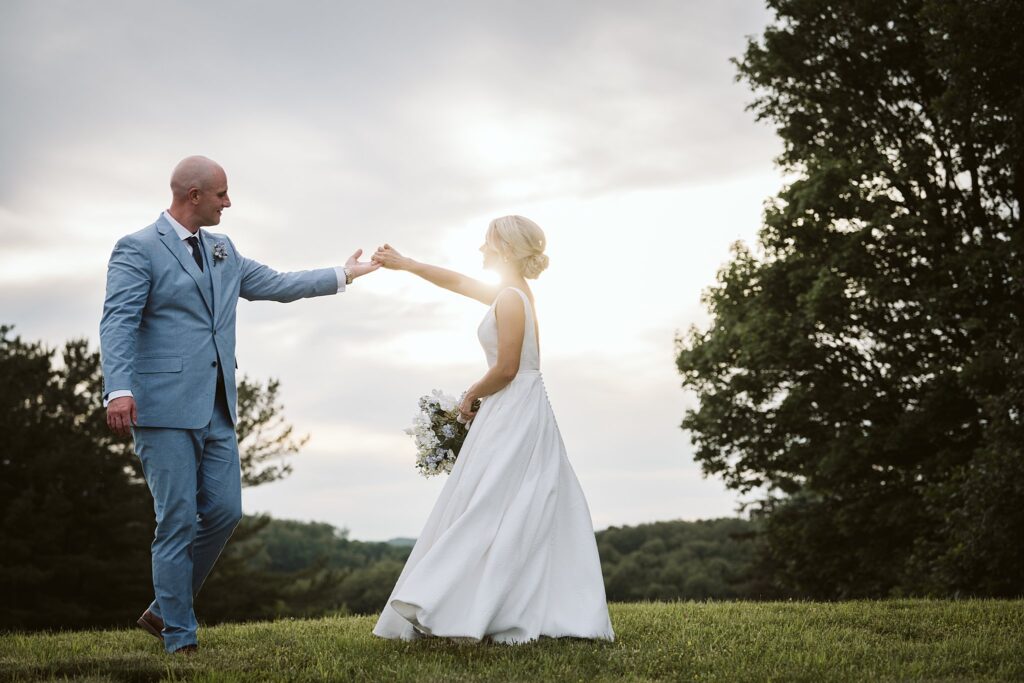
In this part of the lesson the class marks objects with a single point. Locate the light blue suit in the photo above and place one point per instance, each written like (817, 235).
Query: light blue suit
(168, 336)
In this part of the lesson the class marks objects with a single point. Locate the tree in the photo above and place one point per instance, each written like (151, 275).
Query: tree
(263, 434)
(863, 367)
(75, 513)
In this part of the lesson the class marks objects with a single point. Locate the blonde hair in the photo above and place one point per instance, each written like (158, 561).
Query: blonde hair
(521, 241)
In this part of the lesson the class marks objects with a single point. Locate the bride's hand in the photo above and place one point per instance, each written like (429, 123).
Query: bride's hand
(389, 257)
(468, 407)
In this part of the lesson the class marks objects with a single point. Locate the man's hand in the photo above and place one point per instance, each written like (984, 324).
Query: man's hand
(359, 268)
(121, 415)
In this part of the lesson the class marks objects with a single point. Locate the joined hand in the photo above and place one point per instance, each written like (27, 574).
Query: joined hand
(389, 257)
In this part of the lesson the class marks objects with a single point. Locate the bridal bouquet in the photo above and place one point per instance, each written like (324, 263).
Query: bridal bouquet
(438, 433)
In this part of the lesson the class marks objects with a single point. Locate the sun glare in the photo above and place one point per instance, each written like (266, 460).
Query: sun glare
(498, 144)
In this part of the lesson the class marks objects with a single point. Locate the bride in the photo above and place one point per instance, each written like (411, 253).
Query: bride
(508, 552)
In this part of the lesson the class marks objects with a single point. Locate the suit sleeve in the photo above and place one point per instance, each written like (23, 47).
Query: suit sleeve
(128, 283)
(262, 283)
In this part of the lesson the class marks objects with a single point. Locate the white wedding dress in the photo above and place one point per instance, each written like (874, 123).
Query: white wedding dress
(508, 552)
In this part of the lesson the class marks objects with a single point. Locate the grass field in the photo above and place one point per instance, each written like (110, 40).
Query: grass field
(799, 641)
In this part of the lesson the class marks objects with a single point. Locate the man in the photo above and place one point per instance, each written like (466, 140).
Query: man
(167, 339)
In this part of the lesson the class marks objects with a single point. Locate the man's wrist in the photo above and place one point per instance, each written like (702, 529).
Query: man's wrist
(118, 393)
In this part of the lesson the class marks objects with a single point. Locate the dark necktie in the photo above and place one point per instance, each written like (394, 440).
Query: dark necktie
(194, 243)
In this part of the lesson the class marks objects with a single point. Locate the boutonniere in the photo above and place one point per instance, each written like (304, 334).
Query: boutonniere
(220, 252)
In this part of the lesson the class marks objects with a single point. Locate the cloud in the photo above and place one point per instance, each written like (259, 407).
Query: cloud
(382, 111)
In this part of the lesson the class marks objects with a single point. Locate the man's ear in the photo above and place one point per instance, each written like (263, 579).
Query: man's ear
(193, 195)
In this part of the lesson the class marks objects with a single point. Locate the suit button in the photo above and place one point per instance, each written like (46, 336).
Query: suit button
(213, 364)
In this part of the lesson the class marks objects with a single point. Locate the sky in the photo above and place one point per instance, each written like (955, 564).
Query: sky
(618, 127)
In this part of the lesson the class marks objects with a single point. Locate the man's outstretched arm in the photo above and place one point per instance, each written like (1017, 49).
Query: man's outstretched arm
(260, 282)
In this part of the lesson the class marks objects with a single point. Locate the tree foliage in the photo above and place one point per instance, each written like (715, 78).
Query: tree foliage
(863, 367)
(263, 434)
(706, 559)
(75, 514)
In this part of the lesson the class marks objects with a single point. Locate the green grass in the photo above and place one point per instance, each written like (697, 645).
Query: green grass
(901, 640)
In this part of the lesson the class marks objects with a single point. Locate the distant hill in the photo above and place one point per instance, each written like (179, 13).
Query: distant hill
(402, 542)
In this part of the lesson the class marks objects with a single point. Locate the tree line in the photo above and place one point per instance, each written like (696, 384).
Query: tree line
(308, 569)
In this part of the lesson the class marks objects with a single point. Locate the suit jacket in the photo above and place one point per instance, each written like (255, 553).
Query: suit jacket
(168, 327)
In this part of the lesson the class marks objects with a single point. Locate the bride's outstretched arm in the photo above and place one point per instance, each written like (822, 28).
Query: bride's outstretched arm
(389, 257)
(511, 319)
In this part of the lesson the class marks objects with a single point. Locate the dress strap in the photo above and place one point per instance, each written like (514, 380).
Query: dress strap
(531, 329)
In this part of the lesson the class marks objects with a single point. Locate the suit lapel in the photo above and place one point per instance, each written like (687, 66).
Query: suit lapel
(180, 252)
(211, 265)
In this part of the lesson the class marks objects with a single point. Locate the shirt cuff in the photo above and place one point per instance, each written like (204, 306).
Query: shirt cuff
(116, 394)
(339, 271)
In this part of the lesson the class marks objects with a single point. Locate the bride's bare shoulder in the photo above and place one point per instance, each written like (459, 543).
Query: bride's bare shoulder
(512, 300)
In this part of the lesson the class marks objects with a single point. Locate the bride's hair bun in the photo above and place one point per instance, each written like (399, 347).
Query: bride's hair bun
(534, 265)
(521, 241)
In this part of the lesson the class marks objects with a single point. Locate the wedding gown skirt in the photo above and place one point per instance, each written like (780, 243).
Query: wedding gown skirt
(508, 551)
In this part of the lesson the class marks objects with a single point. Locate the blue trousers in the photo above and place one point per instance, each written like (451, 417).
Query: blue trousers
(195, 478)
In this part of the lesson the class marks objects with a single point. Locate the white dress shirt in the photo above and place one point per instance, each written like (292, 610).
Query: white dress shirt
(183, 234)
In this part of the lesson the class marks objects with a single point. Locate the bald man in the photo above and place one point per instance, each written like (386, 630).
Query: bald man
(167, 339)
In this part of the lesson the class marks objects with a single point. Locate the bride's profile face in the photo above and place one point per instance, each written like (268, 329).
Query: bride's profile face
(491, 257)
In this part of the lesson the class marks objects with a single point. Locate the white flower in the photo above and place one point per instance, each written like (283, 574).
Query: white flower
(445, 401)
(220, 252)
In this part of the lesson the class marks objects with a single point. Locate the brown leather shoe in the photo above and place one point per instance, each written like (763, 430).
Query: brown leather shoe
(151, 624)
(186, 650)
